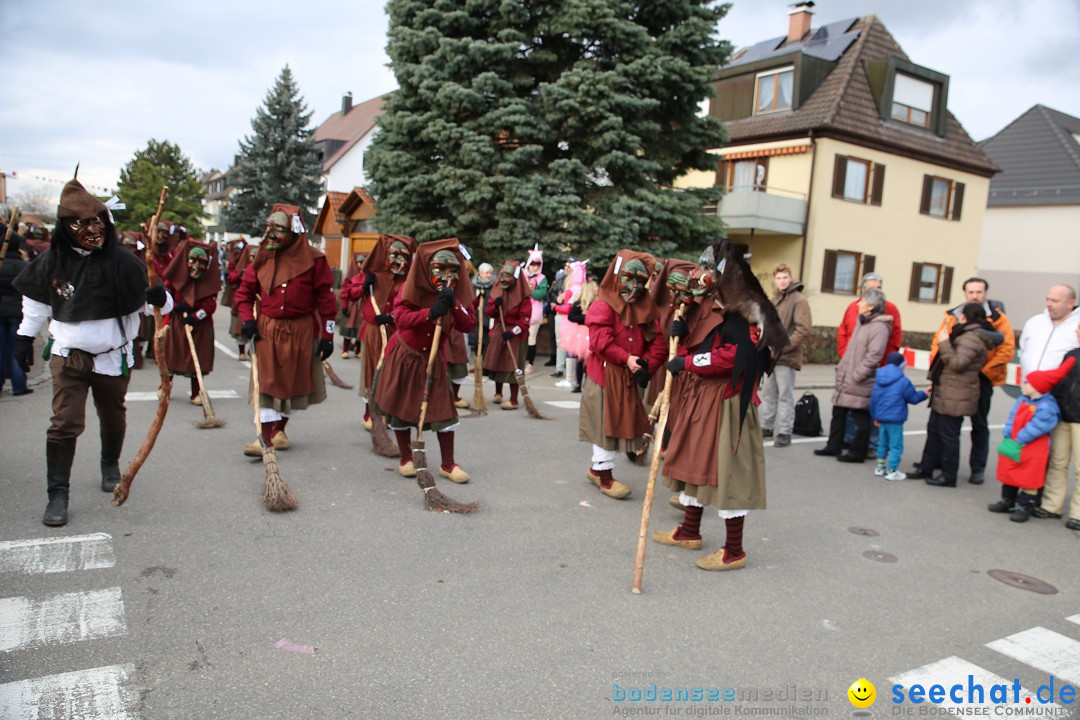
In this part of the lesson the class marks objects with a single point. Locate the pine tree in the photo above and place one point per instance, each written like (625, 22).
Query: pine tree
(160, 163)
(565, 123)
(278, 161)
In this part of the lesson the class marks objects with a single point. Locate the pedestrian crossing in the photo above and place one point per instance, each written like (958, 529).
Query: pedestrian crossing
(28, 624)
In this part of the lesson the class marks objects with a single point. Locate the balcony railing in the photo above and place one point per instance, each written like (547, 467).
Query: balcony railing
(759, 207)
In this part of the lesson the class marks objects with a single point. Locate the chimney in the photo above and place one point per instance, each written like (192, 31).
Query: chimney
(346, 103)
(799, 20)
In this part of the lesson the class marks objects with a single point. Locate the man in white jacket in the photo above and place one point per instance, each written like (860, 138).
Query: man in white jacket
(1050, 334)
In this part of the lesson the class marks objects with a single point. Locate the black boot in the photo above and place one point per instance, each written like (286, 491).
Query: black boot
(111, 445)
(59, 454)
(1007, 501)
(1022, 511)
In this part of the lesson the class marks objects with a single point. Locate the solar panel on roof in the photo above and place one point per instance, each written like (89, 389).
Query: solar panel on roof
(828, 43)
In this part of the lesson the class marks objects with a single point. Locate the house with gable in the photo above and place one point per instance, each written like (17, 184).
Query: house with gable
(342, 141)
(1031, 235)
(842, 159)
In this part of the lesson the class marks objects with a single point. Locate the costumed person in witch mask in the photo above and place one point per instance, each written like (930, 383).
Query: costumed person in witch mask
(456, 351)
(36, 241)
(503, 358)
(233, 278)
(626, 347)
(716, 455)
(236, 250)
(436, 291)
(383, 275)
(352, 320)
(194, 279)
(93, 293)
(293, 286)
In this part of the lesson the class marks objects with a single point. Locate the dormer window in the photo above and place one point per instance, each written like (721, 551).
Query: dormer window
(772, 90)
(913, 100)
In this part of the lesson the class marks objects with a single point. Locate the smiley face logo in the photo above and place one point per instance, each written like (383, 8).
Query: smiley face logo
(862, 693)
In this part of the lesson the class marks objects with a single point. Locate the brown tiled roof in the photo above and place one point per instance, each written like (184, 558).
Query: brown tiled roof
(843, 106)
(348, 128)
(335, 199)
(330, 219)
(359, 196)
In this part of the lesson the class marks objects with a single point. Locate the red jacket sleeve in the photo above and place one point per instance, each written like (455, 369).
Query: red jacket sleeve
(847, 325)
(325, 302)
(209, 304)
(718, 362)
(246, 294)
(232, 278)
(464, 317)
(895, 337)
(600, 319)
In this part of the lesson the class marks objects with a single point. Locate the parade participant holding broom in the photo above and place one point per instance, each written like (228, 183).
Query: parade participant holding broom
(716, 454)
(377, 292)
(352, 322)
(503, 358)
(193, 279)
(626, 349)
(238, 251)
(95, 293)
(435, 292)
(293, 322)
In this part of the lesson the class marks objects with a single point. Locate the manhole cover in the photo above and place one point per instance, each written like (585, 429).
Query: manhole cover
(1024, 582)
(878, 556)
(863, 531)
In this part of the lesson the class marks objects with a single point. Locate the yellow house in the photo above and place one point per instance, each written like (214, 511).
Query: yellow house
(844, 159)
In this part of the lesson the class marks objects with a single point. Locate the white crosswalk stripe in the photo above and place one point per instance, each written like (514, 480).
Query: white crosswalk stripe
(955, 671)
(72, 617)
(96, 694)
(54, 555)
(1044, 649)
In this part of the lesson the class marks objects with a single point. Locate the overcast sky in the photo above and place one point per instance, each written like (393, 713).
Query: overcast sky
(92, 82)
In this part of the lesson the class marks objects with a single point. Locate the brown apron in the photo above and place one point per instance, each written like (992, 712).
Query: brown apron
(400, 389)
(285, 352)
(625, 416)
(178, 352)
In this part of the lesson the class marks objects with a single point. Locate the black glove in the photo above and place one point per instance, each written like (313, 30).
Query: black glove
(507, 334)
(447, 296)
(369, 283)
(677, 365)
(189, 320)
(24, 351)
(642, 377)
(679, 329)
(498, 302)
(181, 307)
(437, 310)
(385, 319)
(443, 302)
(250, 330)
(326, 347)
(155, 295)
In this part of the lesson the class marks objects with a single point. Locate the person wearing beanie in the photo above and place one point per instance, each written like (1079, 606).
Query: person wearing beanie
(1025, 451)
(889, 401)
(93, 293)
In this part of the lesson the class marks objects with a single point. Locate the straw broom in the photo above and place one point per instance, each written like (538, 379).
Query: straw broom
(210, 420)
(334, 377)
(654, 466)
(276, 494)
(433, 499)
(479, 404)
(519, 376)
(381, 442)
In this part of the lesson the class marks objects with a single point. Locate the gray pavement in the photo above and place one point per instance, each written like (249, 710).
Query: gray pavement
(524, 609)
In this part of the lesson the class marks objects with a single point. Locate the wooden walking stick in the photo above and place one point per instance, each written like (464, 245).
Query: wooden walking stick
(7, 233)
(123, 488)
(654, 466)
(210, 420)
(433, 499)
(277, 497)
(519, 376)
(479, 403)
(381, 443)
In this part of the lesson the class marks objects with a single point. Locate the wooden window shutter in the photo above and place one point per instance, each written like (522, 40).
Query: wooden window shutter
(927, 188)
(868, 262)
(828, 276)
(916, 280)
(946, 285)
(839, 176)
(879, 184)
(958, 200)
(722, 173)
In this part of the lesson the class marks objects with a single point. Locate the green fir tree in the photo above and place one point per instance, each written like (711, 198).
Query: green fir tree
(160, 164)
(564, 123)
(278, 161)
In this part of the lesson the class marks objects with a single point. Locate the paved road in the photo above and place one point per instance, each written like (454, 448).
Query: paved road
(192, 601)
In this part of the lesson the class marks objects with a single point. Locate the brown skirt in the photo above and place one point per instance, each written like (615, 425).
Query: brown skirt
(354, 318)
(371, 347)
(591, 421)
(286, 356)
(702, 459)
(178, 352)
(234, 327)
(400, 390)
(498, 362)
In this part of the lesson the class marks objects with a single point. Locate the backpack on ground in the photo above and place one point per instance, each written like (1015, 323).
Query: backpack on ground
(807, 416)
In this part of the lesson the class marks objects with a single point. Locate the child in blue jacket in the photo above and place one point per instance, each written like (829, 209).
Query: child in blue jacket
(889, 401)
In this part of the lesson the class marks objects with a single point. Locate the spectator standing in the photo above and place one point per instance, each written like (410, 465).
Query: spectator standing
(855, 377)
(11, 317)
(557, 308)
(778, 395)
(1064, 441)
(1046, 337)
(889, 401)
(534, 273)
(954, 374)
(992, 373)
(847, 327)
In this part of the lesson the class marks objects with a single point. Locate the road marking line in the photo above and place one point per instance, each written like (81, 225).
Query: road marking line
(825, 438)
(61, 619)
(139, 396)
(230, 353)
(954, 671)
(1074, 619)
(566, 404)
(61, 554)
(91, 694)
(1045, 649)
